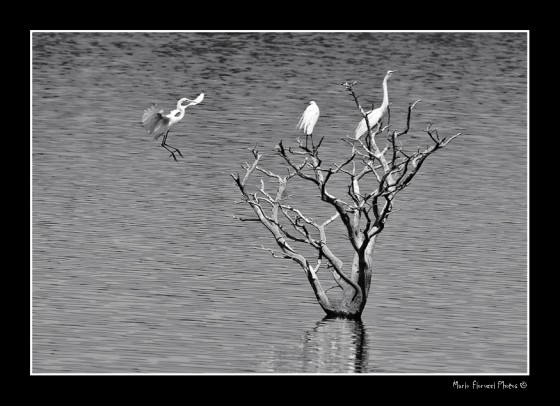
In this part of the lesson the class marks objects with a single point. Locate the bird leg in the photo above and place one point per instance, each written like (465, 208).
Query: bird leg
(306, 137)
(170, 148)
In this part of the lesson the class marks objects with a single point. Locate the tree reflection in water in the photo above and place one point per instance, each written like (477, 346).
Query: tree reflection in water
(334, 345)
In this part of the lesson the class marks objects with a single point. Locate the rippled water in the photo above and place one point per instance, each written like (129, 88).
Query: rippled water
(138, 265)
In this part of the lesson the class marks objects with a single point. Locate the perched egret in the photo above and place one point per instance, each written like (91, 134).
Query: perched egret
(308, 120)
(375, 116)
(158, 124)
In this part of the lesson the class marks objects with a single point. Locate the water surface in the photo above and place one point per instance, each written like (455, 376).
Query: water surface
(138, 266)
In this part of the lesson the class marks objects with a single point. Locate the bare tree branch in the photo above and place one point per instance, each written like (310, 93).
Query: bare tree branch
(244, 219)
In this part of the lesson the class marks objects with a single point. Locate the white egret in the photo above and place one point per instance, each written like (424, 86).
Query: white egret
(158, 124)
(375, 116)
(308, 120)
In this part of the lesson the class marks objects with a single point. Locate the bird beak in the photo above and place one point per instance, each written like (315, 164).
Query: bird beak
(197, 100)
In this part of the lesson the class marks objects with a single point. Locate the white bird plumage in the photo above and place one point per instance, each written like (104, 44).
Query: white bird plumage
(157, 124)
(309, 118)
(375, 116)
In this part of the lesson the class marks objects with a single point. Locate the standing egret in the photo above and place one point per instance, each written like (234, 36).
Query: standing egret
(308, 120)
(158, 124)
(375, 116)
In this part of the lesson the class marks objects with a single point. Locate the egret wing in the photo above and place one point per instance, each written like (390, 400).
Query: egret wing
(313, 118)
(154, 121)
(360, 129)
(308, 119)
(373, 118)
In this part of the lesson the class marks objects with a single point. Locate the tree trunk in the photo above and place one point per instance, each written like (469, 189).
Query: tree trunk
(353, 304)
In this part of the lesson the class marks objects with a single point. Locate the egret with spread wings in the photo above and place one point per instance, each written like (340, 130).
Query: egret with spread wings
(158, 124)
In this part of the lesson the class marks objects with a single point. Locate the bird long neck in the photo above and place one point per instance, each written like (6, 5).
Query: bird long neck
(385, 103)
(182, 108)
(177, 114)
(182, 114)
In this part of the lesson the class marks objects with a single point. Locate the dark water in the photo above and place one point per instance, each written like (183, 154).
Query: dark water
(138, 265)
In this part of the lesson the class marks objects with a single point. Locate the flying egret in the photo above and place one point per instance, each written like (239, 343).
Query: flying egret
(158, 124)
(375, 116)
(308, 120)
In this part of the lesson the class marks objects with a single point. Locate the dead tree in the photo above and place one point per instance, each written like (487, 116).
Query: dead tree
(375, 175)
